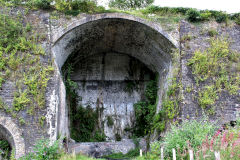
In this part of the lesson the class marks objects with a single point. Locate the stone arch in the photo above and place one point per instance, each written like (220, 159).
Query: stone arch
(117, 32)
(13, 135)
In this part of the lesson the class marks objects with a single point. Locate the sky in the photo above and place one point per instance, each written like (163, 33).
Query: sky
(230, 6)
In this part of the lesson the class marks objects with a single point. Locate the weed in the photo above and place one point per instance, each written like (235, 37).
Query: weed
(208, 96)
(212, 32)
(110, 121)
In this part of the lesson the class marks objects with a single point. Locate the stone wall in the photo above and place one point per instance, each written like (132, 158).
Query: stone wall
(227, 106)
(105, 33)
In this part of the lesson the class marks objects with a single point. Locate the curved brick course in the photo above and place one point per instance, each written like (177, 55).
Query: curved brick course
(16, 134)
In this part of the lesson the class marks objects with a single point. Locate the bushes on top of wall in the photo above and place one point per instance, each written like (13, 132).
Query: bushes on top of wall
(130, 4)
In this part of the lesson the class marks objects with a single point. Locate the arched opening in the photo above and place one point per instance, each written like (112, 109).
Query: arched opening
(6, 143)
(110, 58)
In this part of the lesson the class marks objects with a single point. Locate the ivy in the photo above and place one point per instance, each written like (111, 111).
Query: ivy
(84, 126)
(145, 110)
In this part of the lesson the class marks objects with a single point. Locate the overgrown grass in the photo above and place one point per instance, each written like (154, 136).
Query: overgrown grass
(77, 157)
(130, 155)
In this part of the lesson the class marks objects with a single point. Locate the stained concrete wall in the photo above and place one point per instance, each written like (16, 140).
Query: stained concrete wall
(113, 82)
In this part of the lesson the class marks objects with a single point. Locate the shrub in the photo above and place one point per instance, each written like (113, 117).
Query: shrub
(5, 149)
(205, 15)
(221, 17)
(43, 150)
(193, 132)
(208, 96)
(237, 20)
(193, 15)
(212, 32)
(226, 142)
(77, 6)
(126, 4)
(43, 4)
(146, 110)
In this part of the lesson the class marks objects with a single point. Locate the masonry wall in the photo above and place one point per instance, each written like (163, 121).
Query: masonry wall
(44, 22)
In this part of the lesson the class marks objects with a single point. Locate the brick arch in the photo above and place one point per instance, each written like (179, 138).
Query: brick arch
(14, 135)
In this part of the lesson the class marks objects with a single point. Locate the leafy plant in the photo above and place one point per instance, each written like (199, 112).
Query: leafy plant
(212, 32)
(44, 150)
(43, 4)
(146, 110)
(110, 121)
(207, 96)
(193, 15)
(126, 4)
(131, 154)
(188, 132)
(221, 17)
(5, 149)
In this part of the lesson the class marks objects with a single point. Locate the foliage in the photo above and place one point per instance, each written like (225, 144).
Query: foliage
(20, 63)
(44, 150)
(207, 96)
(188, 132)
(5, 149)
(237, 19)
(205, 16)
(84, 126)
(110, 121)
(226, 142)
(165, 10)
(43, 4)
(126, 4)
(193, 15)
(76, 157)
(221, 17)
(77, 6)
(208, 63)
(146, 110)
(212, 32)
(214, 66)
(131, 154)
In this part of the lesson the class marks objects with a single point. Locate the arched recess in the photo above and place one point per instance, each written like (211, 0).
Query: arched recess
(10, 131)
(112, 32)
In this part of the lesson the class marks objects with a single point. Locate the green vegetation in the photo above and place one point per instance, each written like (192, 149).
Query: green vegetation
(110, 121)
(130, 155)
(126, 4)
(214, 66)
(84, 124)
(20, 63)
(188, 133)
(43, 150)
(207, 96)
(5, 149)
(145, 110)
(77, 157)
(212, 32)
(161, 14)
